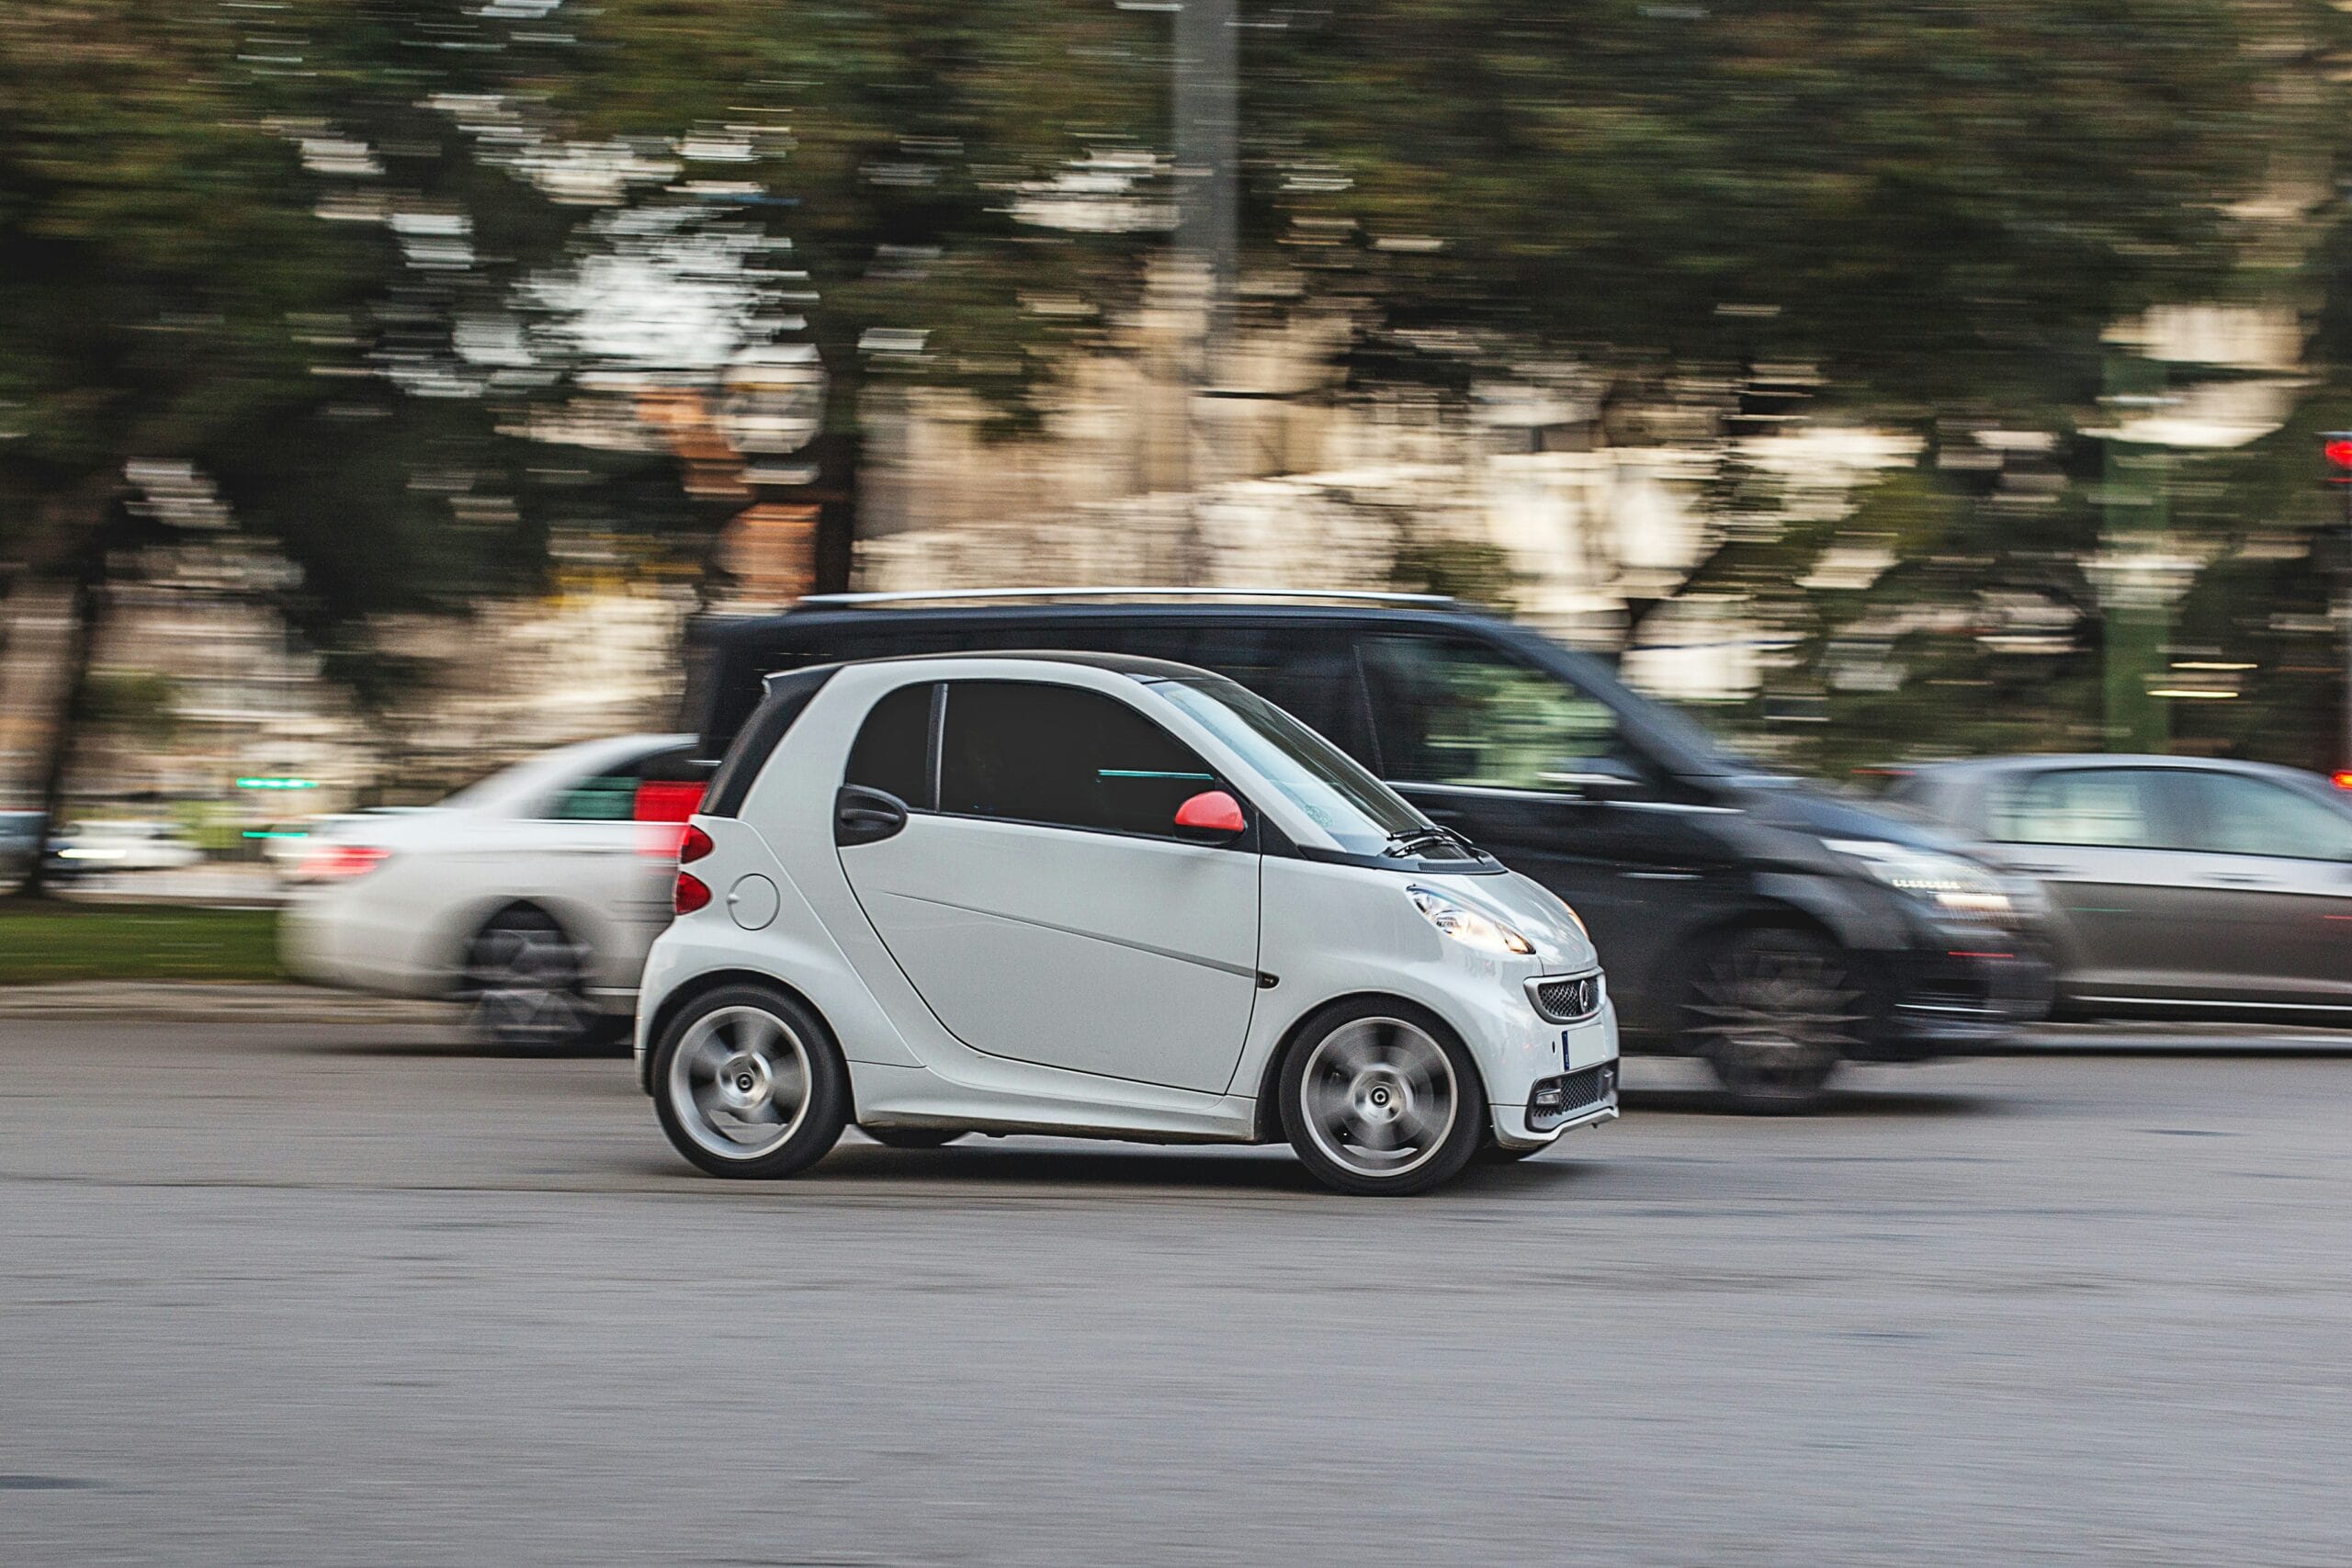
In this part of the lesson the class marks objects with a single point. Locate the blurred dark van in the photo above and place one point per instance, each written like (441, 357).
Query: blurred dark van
(1768, 928)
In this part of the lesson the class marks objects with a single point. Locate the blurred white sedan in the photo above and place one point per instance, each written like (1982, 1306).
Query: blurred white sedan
(531, 896)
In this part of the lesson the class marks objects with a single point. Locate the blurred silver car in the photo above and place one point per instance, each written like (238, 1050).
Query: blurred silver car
(2176, 885)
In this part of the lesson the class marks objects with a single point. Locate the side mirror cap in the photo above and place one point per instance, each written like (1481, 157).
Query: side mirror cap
(1212, 811)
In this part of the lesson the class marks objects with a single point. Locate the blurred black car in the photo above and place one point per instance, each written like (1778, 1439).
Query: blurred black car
(1768, 928)
(2176, 885)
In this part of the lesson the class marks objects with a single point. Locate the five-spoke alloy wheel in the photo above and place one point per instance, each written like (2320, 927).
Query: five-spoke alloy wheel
(748, 1082)
(1380, 1098)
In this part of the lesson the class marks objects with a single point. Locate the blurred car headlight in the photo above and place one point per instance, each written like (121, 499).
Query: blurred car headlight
(1943, 882)
(1466, 925)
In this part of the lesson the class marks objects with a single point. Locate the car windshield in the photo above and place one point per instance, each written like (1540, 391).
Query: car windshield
(1358, 813)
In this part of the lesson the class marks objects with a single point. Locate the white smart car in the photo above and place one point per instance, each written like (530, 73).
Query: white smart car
(1114, 897)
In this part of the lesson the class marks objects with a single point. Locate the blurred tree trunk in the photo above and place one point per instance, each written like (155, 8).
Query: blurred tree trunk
(81, 520)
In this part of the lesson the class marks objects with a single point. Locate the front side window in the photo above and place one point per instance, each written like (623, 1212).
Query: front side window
(2090, 807)
(2230, 814)
(1063, 756)
(1361, 815)
(1451, 711)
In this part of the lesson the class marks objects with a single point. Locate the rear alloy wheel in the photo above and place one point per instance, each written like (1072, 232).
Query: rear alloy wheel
(913, 1137)
(1774, 1013)
(1378, 1097)
(748, 1082)
(527, 984)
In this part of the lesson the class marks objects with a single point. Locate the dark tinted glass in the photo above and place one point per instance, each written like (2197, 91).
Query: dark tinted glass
(1452, 711)
(893, 750)
(1062, 755)
(1308, 673)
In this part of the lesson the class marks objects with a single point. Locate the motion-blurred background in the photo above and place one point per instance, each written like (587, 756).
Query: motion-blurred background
(384, 384)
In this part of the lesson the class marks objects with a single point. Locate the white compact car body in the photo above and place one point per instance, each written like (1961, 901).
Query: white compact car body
(531, 896)
(1110, 897)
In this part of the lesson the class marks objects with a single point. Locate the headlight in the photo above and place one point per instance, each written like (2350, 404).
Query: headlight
(1947, 881)
(1464, 924)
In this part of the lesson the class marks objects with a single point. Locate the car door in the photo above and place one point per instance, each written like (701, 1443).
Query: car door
(1036, 898)
(2270, 870)
(1536, 772)
(2128, 916)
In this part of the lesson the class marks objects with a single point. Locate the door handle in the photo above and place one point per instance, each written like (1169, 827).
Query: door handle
(863, 816)
(2240, 879)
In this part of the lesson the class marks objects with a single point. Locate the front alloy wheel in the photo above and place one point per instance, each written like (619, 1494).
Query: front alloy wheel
(748, 1083)
(1380, 1098)
(1773, 1014)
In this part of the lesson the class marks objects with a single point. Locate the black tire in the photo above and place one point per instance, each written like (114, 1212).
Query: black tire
(794, 1070)
(1349, 1065)
(1773, 1014)
(913, 1137)
(526, 984)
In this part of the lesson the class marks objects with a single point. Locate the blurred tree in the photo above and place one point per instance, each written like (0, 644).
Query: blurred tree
(168, 295)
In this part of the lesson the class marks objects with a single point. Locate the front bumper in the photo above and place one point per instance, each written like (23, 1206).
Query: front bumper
(1512, 1131)
(1943, 1000)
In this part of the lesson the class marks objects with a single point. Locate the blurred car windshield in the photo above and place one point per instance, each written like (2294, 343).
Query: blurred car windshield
(1359, 813)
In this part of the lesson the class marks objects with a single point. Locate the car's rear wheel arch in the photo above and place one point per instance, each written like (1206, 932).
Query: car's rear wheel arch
(685, 992)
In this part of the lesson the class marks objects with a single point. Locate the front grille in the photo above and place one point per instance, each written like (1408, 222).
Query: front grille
(1553, 1100)
(1567, 1001)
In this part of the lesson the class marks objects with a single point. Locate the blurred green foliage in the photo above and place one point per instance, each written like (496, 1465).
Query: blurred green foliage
(308, 248)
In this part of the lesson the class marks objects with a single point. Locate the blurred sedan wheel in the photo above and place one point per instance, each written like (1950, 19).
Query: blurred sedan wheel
(525, 981)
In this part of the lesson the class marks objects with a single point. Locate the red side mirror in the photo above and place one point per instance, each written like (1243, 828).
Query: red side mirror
(1212, 811)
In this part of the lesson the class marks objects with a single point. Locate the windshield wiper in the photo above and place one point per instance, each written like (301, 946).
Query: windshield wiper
(1407, 841)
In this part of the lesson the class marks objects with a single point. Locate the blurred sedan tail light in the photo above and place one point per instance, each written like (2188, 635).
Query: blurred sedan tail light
(2344, 779)
(663, 807)
(340, 863)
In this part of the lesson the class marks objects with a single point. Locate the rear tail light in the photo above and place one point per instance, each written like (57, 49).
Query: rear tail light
(690, 893)
(340, 863)
(2344, 779)
(693, 845)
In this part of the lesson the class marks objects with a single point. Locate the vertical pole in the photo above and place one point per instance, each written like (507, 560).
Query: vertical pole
(1207, 104)
(2138, 615)
(2344, 623)
(1207, 93)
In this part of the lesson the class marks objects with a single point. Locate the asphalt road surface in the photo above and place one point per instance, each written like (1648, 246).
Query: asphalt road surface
(284, 1295)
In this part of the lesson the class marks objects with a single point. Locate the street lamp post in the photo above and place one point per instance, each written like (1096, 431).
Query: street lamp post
(2335, 447)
